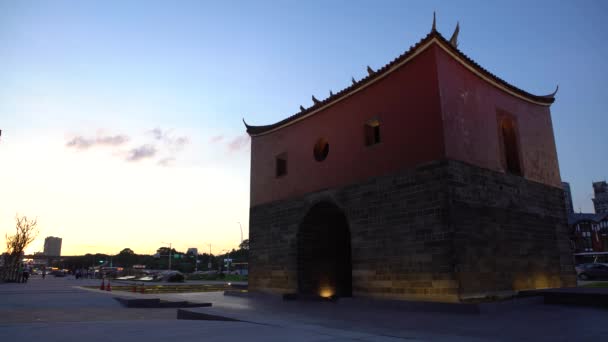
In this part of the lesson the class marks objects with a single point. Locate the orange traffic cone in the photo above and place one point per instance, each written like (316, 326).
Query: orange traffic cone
(109, 287)
(102, 287)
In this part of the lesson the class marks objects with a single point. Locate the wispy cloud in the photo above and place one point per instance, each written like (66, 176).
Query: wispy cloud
(172, 142)
(239, 143)
(82, 143)
(216, 139)
(142, 152)
(166, 161)
(156, 144)
(113, 140)
(157, 133)
(179, 143)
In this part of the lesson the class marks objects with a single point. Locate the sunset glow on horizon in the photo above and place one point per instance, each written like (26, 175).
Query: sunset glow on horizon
(97, 202)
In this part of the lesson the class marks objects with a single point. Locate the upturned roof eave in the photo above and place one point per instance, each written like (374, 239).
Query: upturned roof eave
(434, 37)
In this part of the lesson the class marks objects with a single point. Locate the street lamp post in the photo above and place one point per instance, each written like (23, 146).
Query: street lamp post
(241, 231)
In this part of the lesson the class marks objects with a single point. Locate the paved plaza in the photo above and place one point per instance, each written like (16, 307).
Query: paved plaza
(57, 309)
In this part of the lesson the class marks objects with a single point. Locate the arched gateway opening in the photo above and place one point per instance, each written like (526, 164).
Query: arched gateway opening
(324, 254)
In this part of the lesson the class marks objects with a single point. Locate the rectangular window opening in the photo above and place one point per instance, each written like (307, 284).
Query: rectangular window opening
(281, 165)
(510, 145)
(372, 132)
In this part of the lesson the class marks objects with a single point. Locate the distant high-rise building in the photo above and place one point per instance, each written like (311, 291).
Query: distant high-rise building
(568, 198)
(600, 202)
(52, 246)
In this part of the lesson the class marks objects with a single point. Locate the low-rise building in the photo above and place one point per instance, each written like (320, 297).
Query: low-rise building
(589, 232)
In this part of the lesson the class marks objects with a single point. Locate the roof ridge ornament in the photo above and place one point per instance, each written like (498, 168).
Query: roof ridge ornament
(454, 38)
(434, 28)
(331, 93)
(370, 71)
(246, 125)
(353, 80)
(314, 99)
(302, 108)
(552, 95)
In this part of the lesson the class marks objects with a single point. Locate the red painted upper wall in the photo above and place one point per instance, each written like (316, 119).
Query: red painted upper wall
(407, 104)
(470, 108)
(432, 107)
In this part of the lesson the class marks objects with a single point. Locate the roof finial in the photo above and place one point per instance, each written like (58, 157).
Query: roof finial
(314, 99)
(555, 92)
(302, 108)
(454, 39)
(370, 71)
(434, 28)
(353, 80)
(552, 95)
(247, 127)
(331, 93)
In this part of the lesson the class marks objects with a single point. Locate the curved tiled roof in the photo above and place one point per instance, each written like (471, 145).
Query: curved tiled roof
(433, 37)
(575, 218)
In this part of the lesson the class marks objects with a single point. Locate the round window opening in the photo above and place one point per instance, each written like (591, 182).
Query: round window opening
(321, 150)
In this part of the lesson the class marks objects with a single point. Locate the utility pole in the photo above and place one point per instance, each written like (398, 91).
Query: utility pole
(169, 254)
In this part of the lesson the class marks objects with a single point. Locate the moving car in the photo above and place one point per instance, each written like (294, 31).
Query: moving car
(592, 271)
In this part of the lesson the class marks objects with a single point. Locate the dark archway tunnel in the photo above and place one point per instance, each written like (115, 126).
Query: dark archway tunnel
(324, 252)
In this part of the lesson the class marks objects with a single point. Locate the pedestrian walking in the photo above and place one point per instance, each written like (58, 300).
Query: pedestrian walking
(26, 274)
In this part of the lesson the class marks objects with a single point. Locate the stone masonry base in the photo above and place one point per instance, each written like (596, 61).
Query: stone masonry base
(444, 231)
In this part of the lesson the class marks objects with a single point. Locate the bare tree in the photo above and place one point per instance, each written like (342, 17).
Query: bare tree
(26, 232)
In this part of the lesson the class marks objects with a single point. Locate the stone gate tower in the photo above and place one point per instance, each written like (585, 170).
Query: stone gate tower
(429, 179)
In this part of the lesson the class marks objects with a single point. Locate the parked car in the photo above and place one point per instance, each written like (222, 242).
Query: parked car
(171, 276)
(592, 271)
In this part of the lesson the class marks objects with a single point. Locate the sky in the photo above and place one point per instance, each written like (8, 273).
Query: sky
(121, 121)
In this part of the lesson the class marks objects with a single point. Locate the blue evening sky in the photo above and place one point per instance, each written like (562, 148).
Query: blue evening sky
(195, 68)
